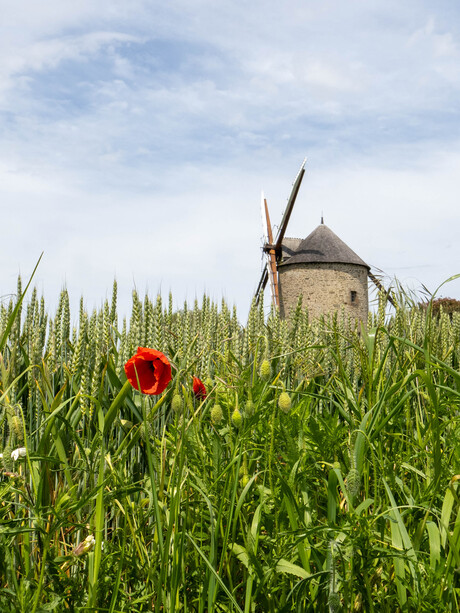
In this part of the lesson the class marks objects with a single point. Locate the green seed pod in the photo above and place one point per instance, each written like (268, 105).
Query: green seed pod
(334, 602)
(284, 402)
(177, 403)
(265, 370)
(353, 482)
(237, 419)
(216, 414)
(249, 408)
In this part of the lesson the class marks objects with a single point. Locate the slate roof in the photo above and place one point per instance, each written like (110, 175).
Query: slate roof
(289, 246)
(322, 245)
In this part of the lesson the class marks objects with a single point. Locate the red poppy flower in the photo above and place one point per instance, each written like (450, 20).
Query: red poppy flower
(199, 389)
(151, 369)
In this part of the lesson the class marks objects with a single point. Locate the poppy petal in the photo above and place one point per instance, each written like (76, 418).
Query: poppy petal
(199, 389)
(148, 371)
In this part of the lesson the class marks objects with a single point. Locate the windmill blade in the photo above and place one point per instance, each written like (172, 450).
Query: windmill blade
(270, 271)
(289, 207)
(263, 217)
(271, 258)
(380, 286)
(264, 277)
(261, 286)
(273, 250)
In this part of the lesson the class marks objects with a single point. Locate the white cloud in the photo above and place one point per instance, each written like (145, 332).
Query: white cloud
(136, 137)
(20, 63)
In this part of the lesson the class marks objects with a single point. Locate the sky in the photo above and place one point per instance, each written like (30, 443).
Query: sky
(136, 137)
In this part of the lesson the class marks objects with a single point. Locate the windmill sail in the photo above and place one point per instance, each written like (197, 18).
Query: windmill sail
(289, 206)
(381, 288)
(272, 250)
(262, 284)
(270, 254)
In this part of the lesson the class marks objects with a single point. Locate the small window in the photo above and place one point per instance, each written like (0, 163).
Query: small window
(353, 296)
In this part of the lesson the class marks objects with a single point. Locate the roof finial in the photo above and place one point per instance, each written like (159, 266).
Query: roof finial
(322, 219)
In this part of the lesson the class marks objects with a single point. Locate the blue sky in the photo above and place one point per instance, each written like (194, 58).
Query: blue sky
(136, 138)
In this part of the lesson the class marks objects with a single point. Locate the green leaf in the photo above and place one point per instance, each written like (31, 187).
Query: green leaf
(241, 553)
(435, 543)
(284, 566)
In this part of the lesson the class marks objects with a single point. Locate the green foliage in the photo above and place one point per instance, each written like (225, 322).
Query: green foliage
(320, 473)
(443, 305)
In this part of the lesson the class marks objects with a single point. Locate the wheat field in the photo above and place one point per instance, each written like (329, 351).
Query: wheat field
(318, 472)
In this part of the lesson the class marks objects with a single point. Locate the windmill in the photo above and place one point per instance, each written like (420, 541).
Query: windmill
(321, 267)
(272, 249)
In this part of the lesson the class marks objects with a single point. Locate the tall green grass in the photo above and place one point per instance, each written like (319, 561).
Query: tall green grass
(346, 500)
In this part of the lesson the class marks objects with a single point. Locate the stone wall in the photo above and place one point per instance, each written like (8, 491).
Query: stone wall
(325, 288)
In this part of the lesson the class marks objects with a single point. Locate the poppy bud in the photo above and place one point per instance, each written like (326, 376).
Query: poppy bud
(265, 370)
(334, 602)
(176, 403)
(237, 419)
(249, 408)
(284, 402)
(199, 389)
(216, 414)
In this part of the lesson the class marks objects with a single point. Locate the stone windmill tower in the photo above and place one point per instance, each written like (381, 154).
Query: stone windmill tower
(322, 268)
(328, 274)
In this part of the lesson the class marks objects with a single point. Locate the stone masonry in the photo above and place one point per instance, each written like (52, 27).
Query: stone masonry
(325, 287)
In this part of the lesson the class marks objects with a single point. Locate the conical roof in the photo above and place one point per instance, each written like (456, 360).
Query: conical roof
(322, 245)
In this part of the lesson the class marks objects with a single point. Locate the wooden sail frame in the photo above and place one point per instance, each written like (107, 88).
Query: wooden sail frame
(271, 248)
